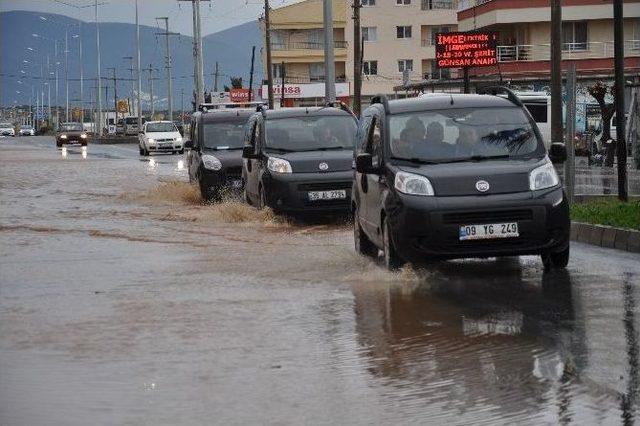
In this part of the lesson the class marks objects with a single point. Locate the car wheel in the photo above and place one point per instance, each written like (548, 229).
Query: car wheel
(59, 144)
(141, 151)
(83, 144)
(557, 260)
(363, 244)
(392, 260)
(181, 151)
(205, 192)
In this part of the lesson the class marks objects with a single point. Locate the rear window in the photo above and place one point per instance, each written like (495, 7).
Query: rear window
(538, 111)
(462, 133)
(311, 133)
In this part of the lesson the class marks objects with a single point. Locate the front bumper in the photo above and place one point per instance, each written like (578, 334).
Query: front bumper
(165, 146)
(428, 227)
(227, 179)
(290, 192)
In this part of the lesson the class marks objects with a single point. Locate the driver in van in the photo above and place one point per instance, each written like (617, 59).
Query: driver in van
(411, 136)
(466, 141)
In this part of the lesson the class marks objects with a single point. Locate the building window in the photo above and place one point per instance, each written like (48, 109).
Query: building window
(316, 71)
(403, 2)
(575, 36)
(403, 31)
(315, 39)
(438, 4)
(635, 44)
(368, 2)
(435, 31)
(370, 67)
(439, 73)
(370, 33)
(405, 64)
(278, 71)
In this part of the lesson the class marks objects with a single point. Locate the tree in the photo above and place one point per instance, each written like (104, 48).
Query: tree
(236, 82)
(599, 92)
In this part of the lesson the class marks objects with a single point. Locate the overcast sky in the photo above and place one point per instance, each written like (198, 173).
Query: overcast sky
(216, 15)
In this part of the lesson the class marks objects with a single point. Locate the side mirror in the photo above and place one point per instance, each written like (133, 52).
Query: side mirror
(188, 144)
(248, 152)
(558, 153)
(364, 164)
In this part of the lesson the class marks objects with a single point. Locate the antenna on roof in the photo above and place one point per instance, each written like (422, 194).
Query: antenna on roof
(451, 96)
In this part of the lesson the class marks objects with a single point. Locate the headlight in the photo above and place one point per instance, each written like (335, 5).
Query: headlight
(543, 177)
(210, 162)
(83, 136)
(63, 136)
(411, 184)
(150, 140)
(278, 165)
(179, 139)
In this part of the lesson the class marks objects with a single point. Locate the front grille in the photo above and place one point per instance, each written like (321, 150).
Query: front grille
(486, 217)
(234, 171)
(324, 186)
(165, 140)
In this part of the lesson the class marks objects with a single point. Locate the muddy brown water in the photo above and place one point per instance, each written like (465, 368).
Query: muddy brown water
(126, 300)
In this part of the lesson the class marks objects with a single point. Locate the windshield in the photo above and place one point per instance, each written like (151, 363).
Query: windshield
(459, 134)
(224, 135)
(161, 127)
(311, 133)
(131, 120)
(4, 125)
(71, 127)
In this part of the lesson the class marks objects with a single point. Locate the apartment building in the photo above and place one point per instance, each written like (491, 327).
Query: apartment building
(524, 31)
(399, 39)
(297, 52)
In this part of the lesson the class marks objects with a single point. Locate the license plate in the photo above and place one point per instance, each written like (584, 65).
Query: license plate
(327, 195)
(489, 231)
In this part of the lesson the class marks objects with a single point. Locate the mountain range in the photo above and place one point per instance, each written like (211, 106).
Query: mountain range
(24, 58)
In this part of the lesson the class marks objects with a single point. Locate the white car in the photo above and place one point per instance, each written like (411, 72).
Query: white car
(6, 129)
(160, 136)
(26, 131)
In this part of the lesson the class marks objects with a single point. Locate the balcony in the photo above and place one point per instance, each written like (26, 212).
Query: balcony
(468, 4)
(439, 4)
(570, 51)
(307, 45)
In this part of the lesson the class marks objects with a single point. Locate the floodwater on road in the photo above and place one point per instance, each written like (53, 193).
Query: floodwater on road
(125, 300)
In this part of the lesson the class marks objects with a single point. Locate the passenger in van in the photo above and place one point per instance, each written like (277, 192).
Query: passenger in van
(435, 146)
(466, 142)
(327, 138)
(411, 137)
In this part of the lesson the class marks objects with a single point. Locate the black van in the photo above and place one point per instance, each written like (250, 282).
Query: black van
(456, 176)
(300, 159)
(216, 141)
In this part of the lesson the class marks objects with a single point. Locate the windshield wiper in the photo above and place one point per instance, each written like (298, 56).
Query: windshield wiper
(415, 160)
(327, 148)
(473, 158)
(271, 148)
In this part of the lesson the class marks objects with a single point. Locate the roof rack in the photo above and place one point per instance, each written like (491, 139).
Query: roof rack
(381, 99)
(204, 107)
(496, 90)
(340, 105)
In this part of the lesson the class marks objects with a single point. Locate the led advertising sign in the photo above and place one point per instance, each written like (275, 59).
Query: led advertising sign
(465, 50)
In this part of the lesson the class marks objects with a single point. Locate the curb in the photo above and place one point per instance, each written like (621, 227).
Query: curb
(606, 236)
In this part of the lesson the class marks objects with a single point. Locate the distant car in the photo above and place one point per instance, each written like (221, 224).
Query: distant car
(300, 160)
(71, 133)
(131, 125)
(6, 129)
(26, 131)
(215, 160)
(160, 136)
(120, 127)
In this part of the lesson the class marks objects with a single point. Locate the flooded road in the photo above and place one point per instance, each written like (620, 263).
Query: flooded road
(124, 300)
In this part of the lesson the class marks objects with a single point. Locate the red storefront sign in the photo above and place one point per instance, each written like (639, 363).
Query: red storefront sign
(465, 50)
(239, 95)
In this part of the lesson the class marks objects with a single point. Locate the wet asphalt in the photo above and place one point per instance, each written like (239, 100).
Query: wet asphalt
(125, 301)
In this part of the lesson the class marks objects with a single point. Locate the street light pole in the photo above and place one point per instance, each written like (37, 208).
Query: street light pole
(99, 100)
(66, 70)
(139, 74)
(329, 59)
(618, 45)
(81, 76)
(556, 72)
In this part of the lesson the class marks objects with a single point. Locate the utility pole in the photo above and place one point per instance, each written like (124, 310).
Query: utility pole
(168, 65)
(99, 101)
(556, 72)
(267, 35)
(357, 55)
(49, 92)
(182, 106)
(618, 46)
(115, 91)
(66, 69)
(215, 78)
(130, 100)
(282, 91)
(55, 48)
(198, 69)
(81, 74)
(139, 73)
(200, 56)
(253, 57)
(329, 60)
(570, 134)
(150, 69)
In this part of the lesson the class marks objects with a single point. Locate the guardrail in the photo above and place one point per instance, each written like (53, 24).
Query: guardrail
(307, 45)
(542, 52)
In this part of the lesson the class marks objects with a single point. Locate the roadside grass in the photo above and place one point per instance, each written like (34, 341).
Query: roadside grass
(608, 212)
